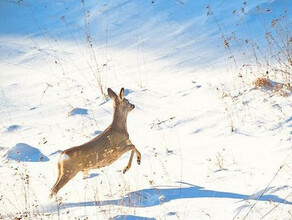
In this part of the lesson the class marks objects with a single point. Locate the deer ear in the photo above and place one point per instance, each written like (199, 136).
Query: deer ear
(122, 94)
(111, 94)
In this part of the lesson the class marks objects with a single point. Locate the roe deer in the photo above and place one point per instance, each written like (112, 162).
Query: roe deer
(103, 149)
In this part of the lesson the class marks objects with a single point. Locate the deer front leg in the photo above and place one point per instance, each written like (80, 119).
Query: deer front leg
(129, 143)
(129, 163)
(138, 154)
(85, 174)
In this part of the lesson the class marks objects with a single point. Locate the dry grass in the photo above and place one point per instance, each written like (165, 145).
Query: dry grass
(263, 83)
(282, 89)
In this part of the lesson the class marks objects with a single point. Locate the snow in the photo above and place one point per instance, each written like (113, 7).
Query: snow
(78, 111)
(25, 153)
(212, 147)
(12, 128)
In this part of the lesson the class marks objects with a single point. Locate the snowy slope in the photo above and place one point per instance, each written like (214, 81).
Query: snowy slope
(169, 57)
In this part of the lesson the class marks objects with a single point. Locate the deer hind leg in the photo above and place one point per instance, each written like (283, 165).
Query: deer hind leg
(64, 176)
(58, 179)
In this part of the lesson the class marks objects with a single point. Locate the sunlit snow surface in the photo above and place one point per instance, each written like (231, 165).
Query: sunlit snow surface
(169, 57)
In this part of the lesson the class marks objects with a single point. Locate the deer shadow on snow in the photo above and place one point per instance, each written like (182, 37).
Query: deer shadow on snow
(156, 196)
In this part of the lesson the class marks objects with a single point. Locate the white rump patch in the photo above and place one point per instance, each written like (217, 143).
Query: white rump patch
(64, 157)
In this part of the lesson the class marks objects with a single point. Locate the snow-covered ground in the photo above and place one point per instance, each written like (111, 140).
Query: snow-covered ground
(212, 147)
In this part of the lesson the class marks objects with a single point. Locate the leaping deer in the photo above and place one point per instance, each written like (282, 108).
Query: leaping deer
(101, 151)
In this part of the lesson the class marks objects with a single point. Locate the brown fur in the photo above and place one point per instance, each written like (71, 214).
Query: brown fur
(101, 151)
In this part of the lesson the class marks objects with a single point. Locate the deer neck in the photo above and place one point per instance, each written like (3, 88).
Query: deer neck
(120, 121)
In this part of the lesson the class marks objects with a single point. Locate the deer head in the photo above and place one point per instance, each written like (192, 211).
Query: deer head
(121, 108)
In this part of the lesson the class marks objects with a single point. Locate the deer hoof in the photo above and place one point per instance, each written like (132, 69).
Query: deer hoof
(139, 161)
(52, 194)
(125, 170)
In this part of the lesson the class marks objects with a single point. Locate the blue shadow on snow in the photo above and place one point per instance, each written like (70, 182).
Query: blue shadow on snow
(13, 128)
(97, 133)
(26, 153)
(131, 217)
(79, 111)
(92, 175)
(156, 196)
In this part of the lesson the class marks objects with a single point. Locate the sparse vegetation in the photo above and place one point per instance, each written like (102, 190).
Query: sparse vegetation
(57, 62)
(267, 58)
(263, 64)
